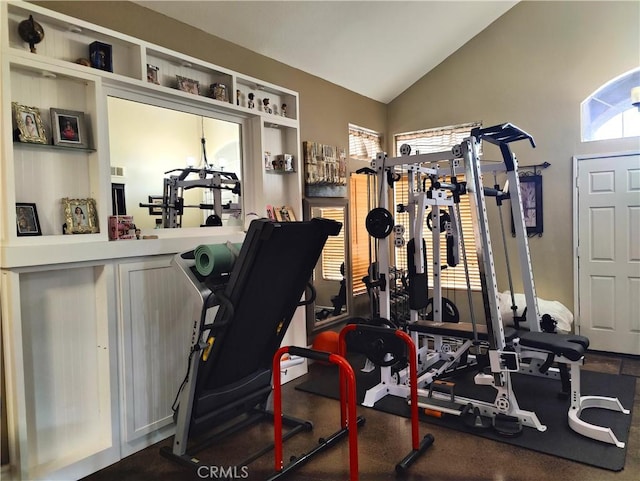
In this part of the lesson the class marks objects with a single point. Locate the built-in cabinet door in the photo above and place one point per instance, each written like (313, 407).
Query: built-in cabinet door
(59, 343)
(155, 326)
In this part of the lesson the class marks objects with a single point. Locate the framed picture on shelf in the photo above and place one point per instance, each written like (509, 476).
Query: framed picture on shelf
(27, 221)
(69, 128)
(152, 74)
(29, 127)
(100, 56)
(285, 214)
(80, 216)
(188, 85)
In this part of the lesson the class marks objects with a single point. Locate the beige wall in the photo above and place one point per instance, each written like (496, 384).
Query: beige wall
(533, 67)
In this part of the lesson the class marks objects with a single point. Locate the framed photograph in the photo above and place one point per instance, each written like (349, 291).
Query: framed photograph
(29, 127)
(285, 214)
(100, 55)
(531, 195)
(80, 216)
(69, 129)
(188, 85)
(152, 74)
(27, 221)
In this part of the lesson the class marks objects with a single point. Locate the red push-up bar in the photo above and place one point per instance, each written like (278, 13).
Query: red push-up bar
(349, 421)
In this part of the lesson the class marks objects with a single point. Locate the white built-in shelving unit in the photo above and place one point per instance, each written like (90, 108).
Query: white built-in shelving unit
(90, 325)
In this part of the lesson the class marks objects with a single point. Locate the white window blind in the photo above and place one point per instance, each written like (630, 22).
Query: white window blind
(364, 144)
(434, 140)
(424, 142)
(333, 251)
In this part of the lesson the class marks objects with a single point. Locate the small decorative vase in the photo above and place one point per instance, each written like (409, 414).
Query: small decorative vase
(31, 32)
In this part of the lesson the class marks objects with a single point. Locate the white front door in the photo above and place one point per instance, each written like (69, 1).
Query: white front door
(608, 248)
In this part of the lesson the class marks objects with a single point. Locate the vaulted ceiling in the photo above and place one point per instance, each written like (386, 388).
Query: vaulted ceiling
(375, 48)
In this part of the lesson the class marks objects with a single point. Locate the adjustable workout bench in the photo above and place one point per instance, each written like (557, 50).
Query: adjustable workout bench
(238, 328)
(568, 350)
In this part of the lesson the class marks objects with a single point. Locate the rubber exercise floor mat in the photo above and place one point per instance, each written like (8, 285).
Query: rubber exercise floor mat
(535, 394)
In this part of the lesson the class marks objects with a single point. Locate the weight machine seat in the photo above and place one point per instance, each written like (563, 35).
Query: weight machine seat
(570, 346)
(264, 289)
(463, 330)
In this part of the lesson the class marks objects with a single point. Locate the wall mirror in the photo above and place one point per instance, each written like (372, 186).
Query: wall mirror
(145, 141)
(330, 276)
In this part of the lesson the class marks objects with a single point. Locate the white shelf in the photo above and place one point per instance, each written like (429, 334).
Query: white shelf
(51, 78)
(277, 97)
(67, 39)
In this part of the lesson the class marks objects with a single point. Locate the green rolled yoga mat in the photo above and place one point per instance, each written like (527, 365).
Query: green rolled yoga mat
(215, 259)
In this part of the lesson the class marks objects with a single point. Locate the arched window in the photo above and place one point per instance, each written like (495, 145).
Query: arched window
(608, 113)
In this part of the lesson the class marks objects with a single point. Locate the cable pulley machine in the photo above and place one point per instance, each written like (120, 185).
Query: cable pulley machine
(529, 352)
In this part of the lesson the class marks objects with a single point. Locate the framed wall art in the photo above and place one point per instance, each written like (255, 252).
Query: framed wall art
(325, 170)
(531, 195)
(69, 128)
(27, 221)
(29, 126)
(80, 216)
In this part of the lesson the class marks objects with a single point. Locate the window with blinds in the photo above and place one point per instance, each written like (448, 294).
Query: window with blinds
(359, 237)
(333, 251)
(424, 142)
(364, 144)
(434, 140)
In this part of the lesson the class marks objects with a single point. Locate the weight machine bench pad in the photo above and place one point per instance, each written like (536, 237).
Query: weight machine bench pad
(571, 346)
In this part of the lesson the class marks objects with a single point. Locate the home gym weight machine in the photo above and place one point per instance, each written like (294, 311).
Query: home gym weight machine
(531, 352)
(172, 204)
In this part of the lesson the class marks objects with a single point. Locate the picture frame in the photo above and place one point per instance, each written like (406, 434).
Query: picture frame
(100, 56)
(152, 74)
(27, 222)
(188, 85)
(80, 216)
(69, 128)
(325, 170)
(29, 126)
(531, 195)
(285, 214)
